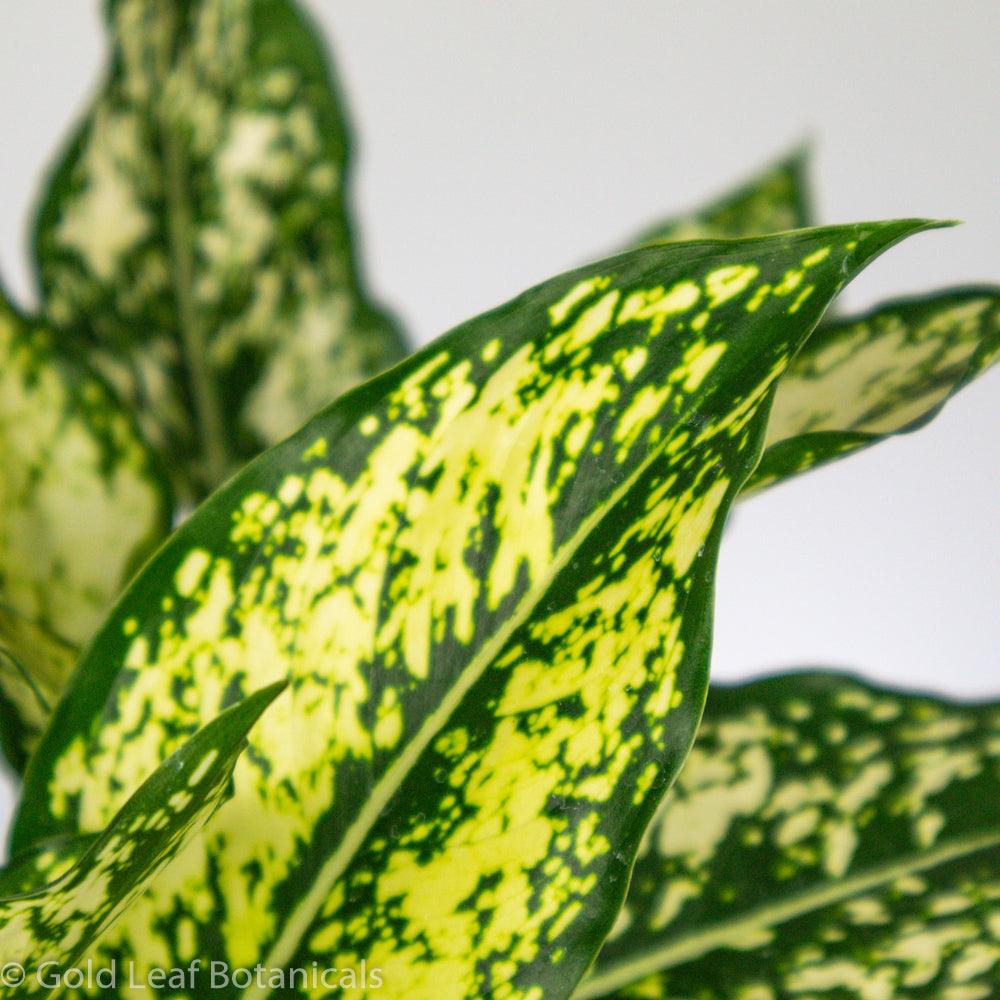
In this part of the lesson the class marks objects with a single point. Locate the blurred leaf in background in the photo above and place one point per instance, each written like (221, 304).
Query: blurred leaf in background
(825, 838)
(82, 502)
(195, 232)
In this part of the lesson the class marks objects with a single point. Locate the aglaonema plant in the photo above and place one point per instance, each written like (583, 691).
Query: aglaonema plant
(484, 576)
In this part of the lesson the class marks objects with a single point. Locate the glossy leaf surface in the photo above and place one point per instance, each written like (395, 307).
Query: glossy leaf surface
(195, 232)
(824, 839)
(43, 932)
(488, 574)
(81, 502)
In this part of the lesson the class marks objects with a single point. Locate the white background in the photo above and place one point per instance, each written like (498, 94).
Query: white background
(500, 143)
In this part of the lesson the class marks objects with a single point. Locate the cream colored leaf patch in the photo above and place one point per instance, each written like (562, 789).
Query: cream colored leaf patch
(81, 502)
(196, 238)
(44, 931)
(488, 575)
(860, 380)
(824, 838)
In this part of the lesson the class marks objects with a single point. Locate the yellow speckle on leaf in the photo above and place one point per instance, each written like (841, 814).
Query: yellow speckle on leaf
(191, 571)
(726, 283)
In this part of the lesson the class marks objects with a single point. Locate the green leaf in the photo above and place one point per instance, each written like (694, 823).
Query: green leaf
(82, 501)
(43, 863)
(488, 574)
(857, 380)
(860, 380)
(57, 923)
(195, 233)
(774, 200)
(825, 839)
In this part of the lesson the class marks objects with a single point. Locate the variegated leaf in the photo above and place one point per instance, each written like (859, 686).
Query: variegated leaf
(858, 381)
(489, 575)
(82, 501)
(44, 931)
(825, 839)
(774, 200)
(43, 863)
(195, 233)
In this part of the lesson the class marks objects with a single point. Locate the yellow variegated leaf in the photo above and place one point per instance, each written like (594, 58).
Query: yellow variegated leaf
(857, 380)
(860, 380)
(195, 233)
(44, 931)
(774, 200)
(81, 502)
(488, 574)
(43, 863)
(824, 839)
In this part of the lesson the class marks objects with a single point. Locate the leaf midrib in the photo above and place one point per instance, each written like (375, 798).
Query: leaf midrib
(688, 947)
(298, 923)
(211, 430)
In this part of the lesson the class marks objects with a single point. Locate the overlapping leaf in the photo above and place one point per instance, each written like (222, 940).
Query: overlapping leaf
(195, 232)
(825, 839)
(81, 502)
(44, 931)
(855, 382)
(860, 380)
(43, 863)
(772, 201)
(488, 574)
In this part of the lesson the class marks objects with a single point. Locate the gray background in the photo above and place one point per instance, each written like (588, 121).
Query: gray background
(500, 143)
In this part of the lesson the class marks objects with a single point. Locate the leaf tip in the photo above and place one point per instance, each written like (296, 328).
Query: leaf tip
(801, 152)
(254, 705)
(872, 239)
